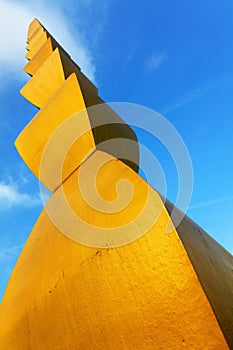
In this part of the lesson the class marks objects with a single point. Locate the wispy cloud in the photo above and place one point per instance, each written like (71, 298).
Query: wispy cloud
(211, 202)
(8, 257)
(6, 253)
(15, 17)
(10, 196)
(154, 61)
(188, 97)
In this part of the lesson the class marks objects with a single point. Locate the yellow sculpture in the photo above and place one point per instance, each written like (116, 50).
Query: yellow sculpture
(161, 291)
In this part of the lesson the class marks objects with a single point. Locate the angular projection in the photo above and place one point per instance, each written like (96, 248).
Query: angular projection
(39, 58)
(36, 43)
(161, 291)
(47, 80)
(59, 107)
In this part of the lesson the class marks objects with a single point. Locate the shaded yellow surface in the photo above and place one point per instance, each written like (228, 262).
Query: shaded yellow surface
(45, 82)
(33, 139)
(39, 58)
(144, 295)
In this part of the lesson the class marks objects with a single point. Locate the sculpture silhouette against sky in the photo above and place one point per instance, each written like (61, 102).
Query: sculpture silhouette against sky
(129, 285)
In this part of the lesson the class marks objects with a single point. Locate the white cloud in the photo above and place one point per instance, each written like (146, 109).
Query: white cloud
(154, 61)
(15, 16)
(10, 196)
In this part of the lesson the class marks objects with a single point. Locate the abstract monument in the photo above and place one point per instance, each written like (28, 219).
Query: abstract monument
(89, 278)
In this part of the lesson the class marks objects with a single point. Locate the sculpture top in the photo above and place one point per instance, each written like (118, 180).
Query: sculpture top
(59, 89)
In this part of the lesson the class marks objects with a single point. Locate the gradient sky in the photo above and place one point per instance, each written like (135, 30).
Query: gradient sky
(175, 57)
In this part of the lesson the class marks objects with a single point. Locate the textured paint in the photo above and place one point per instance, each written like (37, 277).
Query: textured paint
(145, 295)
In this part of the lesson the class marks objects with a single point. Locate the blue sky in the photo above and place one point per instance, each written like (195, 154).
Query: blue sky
(172, 56)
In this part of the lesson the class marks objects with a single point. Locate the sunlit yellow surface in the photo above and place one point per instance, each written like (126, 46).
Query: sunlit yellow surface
(144, 295)
(38, 34)
(31, 142)
(48, 78)
(39, 58)
(33, 25)
(35, 44)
